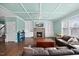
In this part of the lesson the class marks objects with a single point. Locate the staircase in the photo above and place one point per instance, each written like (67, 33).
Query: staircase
(2, 39)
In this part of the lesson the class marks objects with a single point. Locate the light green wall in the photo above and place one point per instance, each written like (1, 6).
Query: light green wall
(2, 20)
(57, 23)
(20, 25)
(10, 29)
(57, 27)
(10, 19)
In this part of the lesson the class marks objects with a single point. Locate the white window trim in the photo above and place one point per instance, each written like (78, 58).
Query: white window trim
(69, 28)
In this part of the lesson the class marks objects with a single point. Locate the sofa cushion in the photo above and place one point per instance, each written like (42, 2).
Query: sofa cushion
(51, 48)
(78, 39)
(66, 38)
(38, 48)
(28, 51)
(66, 52)
(63, 41)
(40, 52)
(54, 52)
(64, 47)
(76, 51)
(73, 41)
(76, 46)
(60, 51)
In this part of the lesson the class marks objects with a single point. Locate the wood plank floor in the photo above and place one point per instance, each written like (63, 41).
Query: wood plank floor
(15, 49)
(11, 49)
(2, 48)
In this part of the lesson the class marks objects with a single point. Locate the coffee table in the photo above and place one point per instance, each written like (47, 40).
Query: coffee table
(45, 43)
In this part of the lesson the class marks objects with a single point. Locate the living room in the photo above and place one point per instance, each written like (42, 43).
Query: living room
(39, 29)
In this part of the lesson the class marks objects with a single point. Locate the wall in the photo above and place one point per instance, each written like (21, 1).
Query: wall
(10, 29)
(13, 24)
(48, 25)
(20, 25)
(29, 28)
(57, 27)
(49, 28)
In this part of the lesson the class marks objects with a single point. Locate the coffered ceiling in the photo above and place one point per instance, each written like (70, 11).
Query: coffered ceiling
(35, 11)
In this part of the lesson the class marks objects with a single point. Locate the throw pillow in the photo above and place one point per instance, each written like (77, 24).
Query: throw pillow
(73, 41)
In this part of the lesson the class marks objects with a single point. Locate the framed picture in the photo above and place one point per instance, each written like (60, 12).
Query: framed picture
(40, 25)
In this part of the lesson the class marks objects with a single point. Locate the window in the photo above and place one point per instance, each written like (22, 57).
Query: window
(65, 27)
(71, 27)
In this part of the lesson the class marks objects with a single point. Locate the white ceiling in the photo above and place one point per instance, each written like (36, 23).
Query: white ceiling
(35, 11)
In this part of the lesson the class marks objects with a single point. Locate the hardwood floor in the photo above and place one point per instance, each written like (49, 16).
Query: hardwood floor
(2, 48)
(11, 49)
(15, 49)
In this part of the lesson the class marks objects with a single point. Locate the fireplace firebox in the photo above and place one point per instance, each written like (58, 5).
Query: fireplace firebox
(39, 34)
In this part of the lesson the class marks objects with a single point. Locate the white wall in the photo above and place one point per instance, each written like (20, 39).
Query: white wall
(48, 25)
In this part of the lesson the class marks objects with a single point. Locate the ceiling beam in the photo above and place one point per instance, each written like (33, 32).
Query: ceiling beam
(25, 10)
(12, 12)
(71, 14)
(56, 8)
(28, 12)
(38, 20)
(59, 4)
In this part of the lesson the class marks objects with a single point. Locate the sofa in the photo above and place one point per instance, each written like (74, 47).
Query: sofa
(63, 41)
(63, 48)
(51, 51)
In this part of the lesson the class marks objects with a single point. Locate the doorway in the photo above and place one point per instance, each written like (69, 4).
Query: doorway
(2, 38)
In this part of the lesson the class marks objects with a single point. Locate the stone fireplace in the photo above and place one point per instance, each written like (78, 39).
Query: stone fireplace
(39, 32)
